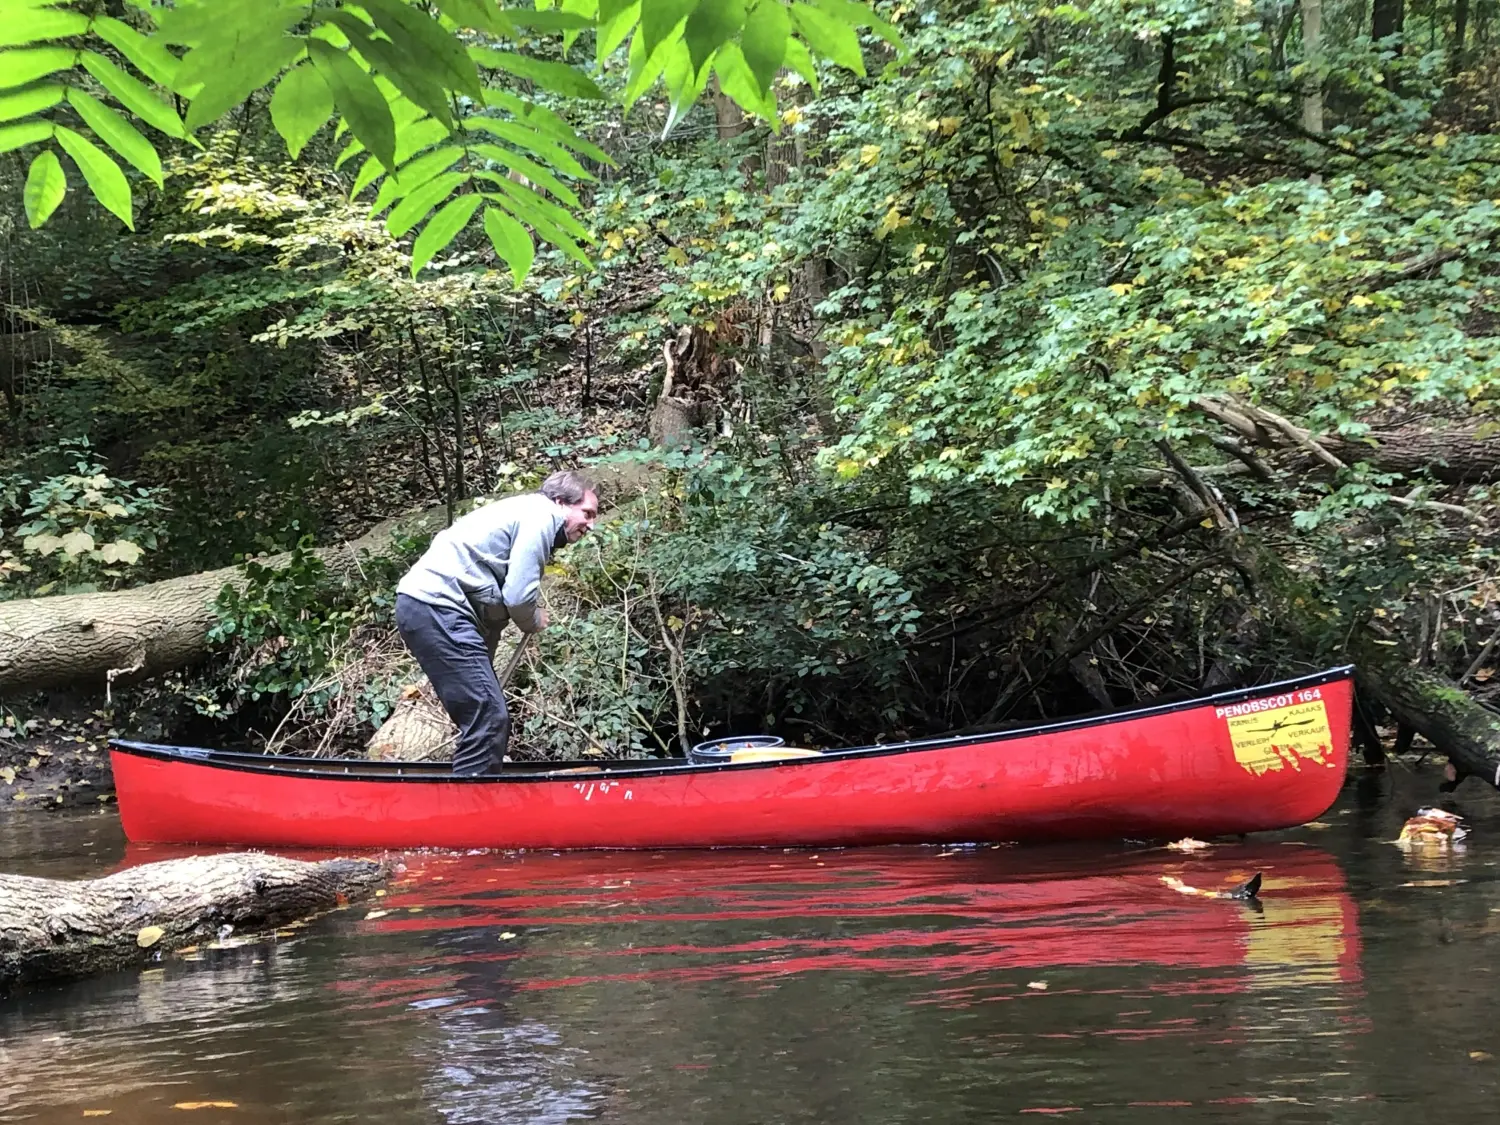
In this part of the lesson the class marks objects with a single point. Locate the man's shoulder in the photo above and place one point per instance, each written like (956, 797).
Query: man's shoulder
(517, 508)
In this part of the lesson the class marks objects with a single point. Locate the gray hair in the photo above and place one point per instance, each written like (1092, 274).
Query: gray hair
(567, 487)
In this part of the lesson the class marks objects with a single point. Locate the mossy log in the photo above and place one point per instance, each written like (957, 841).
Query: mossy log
(1438, 709)
(53, 929)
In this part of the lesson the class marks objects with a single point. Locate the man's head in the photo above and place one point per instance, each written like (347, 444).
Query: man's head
(575, 494)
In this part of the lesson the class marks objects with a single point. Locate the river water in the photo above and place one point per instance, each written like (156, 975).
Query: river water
(935, 984)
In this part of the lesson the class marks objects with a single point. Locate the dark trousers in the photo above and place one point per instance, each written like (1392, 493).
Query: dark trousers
(452, 652)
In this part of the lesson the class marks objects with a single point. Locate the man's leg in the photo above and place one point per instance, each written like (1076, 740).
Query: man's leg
(453, 654)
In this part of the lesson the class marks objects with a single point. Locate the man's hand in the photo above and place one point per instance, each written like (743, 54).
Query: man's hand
(541, 618)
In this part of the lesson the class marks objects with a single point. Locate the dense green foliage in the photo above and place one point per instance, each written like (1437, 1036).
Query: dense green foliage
(1081, 354)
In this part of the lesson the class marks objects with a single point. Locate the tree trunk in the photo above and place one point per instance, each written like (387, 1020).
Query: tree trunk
(52, 929)
(1388, 18)
(93, 639)
(1312, 50)
(1460, 35)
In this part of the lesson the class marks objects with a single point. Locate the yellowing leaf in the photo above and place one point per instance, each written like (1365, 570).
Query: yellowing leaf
(1120, 288)
(1360, 301)
(781, 292)
(948, 125)
(869, 154)
(676, 256)
(1302, 349)
(77, 543)
(42, 544)
(121, 551)
(149, 936)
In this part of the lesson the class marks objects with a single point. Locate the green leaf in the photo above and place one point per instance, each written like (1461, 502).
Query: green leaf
(859, 15)
(615, 28)
(147, 55)
(418, 135)
(660, 18)
(539, 218)
(301, 105)
(556, 77)
(534, 172)
(549, 232)
(442, 229)
(433, 48)
(45, 187)
(351, 150)
(370, 171)
(20, 67)
(684, 82)
(411, 210)
(829, 37)
(479, 14)
(118, 133)
(798, 58)
(101, 173)
(533, 142)
(546, 122)
(358, 99)
(539, 209)
(738, 82)
(33, 25)
(135, 95)
(26, 133)
(395, 64)
(222, 73)
(711, 25)
(413, 175)
(33, 99)
(764, 41)
(512, 242)
(522, 19)
(644, 70)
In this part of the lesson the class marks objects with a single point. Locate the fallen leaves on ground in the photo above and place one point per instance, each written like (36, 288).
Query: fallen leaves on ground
(149, 936)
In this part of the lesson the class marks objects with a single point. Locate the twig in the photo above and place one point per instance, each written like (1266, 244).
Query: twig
(1484, 654)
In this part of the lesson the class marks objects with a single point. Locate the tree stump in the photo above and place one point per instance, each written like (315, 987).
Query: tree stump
(53, 929)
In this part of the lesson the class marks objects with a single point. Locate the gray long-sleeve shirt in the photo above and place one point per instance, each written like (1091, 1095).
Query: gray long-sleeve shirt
(489, 563)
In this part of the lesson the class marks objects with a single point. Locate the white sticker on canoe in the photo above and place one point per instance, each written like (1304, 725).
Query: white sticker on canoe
(1279, 731)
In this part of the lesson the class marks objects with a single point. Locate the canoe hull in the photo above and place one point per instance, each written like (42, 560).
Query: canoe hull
(1238, 762)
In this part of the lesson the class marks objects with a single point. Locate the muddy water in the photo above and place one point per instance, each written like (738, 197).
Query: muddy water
(883, 985)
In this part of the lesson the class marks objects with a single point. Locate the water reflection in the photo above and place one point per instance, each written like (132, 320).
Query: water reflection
(883, 985)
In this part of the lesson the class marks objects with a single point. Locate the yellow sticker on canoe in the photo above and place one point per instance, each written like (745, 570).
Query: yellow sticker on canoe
(1281, 731)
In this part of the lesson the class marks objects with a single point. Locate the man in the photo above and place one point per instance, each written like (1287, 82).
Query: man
(478, 574)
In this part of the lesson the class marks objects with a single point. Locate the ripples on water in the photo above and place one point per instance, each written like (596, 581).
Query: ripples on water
(881, 985)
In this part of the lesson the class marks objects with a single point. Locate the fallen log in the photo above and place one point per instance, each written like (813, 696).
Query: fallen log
(1437, 708)
(119, 635)
(53, 929)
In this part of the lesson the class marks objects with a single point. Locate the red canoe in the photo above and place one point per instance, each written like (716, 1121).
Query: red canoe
(1241, 761)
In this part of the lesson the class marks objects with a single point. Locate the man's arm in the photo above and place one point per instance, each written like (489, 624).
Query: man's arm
(529, 555)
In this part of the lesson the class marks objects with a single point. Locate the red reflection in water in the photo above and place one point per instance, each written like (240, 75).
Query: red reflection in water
(952, 917)
(972, 918)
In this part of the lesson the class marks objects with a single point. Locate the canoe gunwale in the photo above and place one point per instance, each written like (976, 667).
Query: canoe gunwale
(356, 769)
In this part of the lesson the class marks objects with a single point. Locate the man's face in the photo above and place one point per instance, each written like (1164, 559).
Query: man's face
(580, 517)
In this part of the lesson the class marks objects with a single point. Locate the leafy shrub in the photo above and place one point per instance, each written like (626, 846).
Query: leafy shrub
(77, 530)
